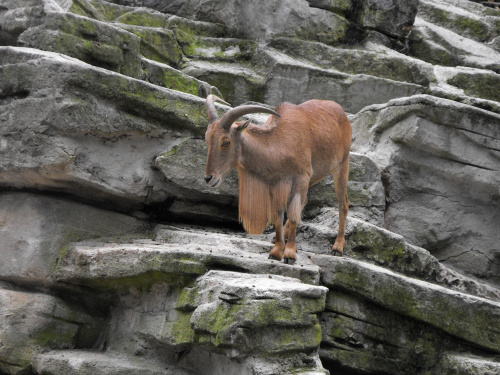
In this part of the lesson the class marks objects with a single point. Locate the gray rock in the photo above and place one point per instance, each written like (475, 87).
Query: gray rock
(179, 255)
(440, 46)
(80, 126)
(82, 362)
(458, 17)
(468, 364)
(296, 81)
(363, 336)
(440, 161)
(263, 20)
(463, 316)
(89, 40)
(237, 318)
(34, 322)
(390, 17)
(373, 244)
(35, 231)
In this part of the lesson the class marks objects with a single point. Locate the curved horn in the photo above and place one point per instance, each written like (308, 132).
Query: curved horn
(235, 113)
(211, 111)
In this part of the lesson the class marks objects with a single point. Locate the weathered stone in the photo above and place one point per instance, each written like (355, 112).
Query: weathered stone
(296, 81)
(396, 67)
(248, 319)
(464, 316)
(157, 44)
(439, 157)
(165, 76)
(362, 336)
(391, 17)
(80, 362)
(33, 323)
(174, 261)
(468, 365)
(220, 49)
(264, 20)
(86, 39)
(438, 45)
(456, 18)
(237, 82)
(376, 245)
(77, 125)
(33, 248)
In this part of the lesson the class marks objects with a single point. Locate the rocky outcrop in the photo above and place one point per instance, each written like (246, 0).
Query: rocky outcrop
(117, 259)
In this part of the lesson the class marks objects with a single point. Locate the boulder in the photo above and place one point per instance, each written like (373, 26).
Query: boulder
(440, 163)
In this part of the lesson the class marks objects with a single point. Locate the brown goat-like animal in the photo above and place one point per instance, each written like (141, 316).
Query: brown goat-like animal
(297, 147)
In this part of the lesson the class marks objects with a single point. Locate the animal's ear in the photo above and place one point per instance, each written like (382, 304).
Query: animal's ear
(239, 126)
(243, 125)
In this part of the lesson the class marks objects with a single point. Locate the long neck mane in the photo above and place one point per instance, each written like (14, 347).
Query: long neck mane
(260, 203)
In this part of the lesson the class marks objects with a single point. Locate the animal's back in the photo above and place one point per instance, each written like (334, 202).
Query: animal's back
(322, 129)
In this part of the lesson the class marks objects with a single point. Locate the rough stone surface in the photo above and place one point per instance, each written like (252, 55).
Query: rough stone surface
(38, 230)
(74, 137)
(459, 315)
(80, 362)
(263, 20)
(101, 134)
(35, 322)
(438, 157)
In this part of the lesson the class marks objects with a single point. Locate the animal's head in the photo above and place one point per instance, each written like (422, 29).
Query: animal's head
(223, 138)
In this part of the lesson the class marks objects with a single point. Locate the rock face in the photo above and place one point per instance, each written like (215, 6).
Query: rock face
(116, 258)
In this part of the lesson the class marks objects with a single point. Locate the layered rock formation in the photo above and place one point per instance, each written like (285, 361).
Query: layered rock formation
(117, 258)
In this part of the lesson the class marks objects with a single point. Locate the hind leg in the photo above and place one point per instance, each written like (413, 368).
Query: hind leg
(340, 177)
(279, 242)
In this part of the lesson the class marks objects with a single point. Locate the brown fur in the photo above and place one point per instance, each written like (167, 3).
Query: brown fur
(279, 161)
(260, 203)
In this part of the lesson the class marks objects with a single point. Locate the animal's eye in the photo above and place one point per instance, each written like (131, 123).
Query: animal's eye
(225, 144)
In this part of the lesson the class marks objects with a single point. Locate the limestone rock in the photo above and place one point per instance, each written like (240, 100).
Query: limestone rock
(390, 17)
(438, 157)
(468, 364)
(77, 125)
(238, 318)
(35, 231)
(373, 244)
(177, 255)
(466, 317)
(81, 362)
(34, 322)
(296, 81)
(264, 20)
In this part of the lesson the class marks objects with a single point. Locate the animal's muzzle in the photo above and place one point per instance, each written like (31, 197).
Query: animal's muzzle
(208, 178)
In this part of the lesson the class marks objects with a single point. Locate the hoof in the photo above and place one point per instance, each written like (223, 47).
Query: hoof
(273, 257)
(337, 253)
(290, 261)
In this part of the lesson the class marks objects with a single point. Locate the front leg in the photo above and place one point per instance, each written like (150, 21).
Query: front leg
(294, 211)
(279, 242)
(290, 255)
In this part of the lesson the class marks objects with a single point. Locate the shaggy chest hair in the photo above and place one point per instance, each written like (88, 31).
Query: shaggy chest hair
(260, 203)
